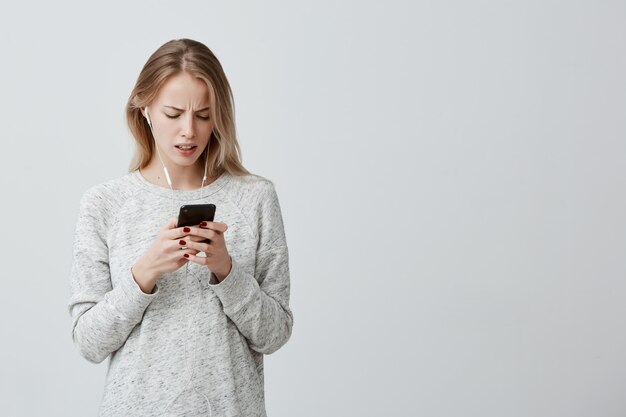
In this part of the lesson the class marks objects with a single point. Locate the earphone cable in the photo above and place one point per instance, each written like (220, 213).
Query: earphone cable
(190, 365)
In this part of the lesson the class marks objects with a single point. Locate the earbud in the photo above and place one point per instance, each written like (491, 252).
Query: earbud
(167, 174)
(148, 118)
(169, 182)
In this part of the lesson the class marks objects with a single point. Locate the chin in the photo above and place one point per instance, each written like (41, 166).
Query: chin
(186, 160)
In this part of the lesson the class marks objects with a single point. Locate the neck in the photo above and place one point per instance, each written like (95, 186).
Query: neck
(183, 178)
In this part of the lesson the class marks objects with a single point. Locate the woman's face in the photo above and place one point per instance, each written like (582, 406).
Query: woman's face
(180, 119)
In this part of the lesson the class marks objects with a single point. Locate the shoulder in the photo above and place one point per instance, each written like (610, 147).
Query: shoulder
(258, 200)
(251, 190)
(108, 194)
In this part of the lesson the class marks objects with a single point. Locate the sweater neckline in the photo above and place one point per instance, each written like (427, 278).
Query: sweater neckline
(186, 195)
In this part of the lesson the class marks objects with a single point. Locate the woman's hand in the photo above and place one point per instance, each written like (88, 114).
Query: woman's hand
(166, 254)
(217, 258)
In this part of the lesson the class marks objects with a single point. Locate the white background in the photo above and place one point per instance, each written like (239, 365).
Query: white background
(451, 176)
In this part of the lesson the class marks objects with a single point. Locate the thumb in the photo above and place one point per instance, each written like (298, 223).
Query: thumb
(171, 224)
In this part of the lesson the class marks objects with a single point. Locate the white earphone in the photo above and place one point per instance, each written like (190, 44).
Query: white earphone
(167, 174)
(169, 182)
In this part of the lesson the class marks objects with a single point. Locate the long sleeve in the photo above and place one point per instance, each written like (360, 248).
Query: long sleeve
(102, 316)
(194, 344)
(259, 304)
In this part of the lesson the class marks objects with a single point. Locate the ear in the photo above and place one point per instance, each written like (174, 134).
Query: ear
(145, 113)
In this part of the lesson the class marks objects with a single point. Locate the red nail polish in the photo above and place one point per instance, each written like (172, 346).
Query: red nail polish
(182, 242)
(186, 230)
(186, 255)
(202, 224)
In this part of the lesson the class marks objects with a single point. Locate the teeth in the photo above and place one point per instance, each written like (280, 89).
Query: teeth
(185, 148)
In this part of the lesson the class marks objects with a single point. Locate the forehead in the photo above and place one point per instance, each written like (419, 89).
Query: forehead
(182, 89)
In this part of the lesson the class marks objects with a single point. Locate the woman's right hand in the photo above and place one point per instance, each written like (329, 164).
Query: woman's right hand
(164, 255)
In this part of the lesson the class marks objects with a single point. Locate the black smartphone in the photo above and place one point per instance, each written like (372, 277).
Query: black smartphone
(194, 214)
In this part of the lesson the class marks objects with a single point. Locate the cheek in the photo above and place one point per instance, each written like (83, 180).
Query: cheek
(206, 130)
(168, 129)
(172, 128)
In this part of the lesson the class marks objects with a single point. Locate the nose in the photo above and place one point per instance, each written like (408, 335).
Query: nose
(188, 127)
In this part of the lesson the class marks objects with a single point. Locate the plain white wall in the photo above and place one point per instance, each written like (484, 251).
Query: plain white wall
(451, 176)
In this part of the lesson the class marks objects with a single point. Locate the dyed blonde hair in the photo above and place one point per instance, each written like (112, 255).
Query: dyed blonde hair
(173, 57)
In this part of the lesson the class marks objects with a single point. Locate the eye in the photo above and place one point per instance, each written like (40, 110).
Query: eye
(172, 116)
(204, 117)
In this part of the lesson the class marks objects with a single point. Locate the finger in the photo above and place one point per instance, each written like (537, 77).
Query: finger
(194, 238)
(181, 261)
(177, 233)
(178, 245)
(196, 259)
(171, 223)
(198, 246)
(204, 233)
(217, 226)
(201, 239)
(183, 245)
(181, 253)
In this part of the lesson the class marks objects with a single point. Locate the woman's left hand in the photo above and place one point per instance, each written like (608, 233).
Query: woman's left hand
(217, 258)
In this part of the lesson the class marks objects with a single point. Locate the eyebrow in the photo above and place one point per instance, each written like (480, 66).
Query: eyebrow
(181, 110)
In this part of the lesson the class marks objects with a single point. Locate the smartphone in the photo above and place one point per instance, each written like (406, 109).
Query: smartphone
(194, 214)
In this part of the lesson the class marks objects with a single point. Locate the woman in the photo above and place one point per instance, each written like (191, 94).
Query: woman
(185, 324)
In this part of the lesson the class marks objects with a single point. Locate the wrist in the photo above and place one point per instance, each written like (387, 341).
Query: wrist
(222, 275)
(143, 276)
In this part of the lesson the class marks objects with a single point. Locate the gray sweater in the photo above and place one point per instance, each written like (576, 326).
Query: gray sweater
(193, 343)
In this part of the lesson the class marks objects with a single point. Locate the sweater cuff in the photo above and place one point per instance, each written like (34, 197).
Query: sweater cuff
(236, 290)
(131, 301)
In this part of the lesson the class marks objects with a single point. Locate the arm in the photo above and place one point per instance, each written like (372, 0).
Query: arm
(102, 316)
(259, 306)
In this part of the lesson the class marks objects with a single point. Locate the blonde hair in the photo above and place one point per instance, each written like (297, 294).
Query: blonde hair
(223, 151)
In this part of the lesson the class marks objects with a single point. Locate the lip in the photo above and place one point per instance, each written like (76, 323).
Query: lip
(186, 153)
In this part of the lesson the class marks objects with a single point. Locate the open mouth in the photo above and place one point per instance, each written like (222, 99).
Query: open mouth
(186, 147)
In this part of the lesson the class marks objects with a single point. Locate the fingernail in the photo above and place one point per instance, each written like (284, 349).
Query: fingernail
(186, 255)
(182, 242)
(186, 230)
(202, 224)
